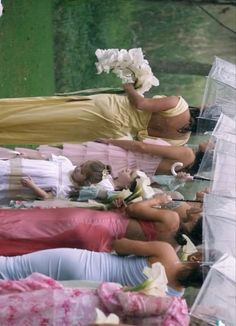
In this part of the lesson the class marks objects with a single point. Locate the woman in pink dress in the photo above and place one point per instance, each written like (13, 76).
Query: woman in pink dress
(28, 230)
(152, 156)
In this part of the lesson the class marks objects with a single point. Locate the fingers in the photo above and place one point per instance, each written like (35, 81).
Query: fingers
(163, 198)
(119, 202)
(102, 141)
(26, 181)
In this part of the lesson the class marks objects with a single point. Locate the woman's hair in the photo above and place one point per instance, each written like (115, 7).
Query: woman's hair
(179, 235)
(195, 235)
(192, 275)
(192, 124)
(94, 172)
(194, 113)
(194, 167)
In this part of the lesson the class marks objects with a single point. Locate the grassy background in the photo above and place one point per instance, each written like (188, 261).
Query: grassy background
(26, 49)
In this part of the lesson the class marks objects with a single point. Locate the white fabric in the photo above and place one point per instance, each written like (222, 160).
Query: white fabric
(106, 184)
(53, 175)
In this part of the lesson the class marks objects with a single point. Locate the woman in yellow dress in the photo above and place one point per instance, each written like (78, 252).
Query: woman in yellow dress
(76, 119)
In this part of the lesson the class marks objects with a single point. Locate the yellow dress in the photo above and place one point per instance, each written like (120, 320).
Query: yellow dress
(73, 119)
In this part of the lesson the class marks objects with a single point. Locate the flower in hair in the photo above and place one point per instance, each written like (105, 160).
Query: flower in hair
(105, 173)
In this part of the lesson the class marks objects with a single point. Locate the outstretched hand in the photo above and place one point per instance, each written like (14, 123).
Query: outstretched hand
(27, 182)
(200, 194)
(184, 176)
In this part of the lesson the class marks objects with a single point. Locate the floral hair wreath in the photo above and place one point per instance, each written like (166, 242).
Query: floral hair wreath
(105, 172)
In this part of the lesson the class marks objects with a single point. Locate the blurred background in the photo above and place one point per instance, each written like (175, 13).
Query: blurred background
(48, 46)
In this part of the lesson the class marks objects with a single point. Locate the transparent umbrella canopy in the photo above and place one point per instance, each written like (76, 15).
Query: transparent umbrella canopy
(220, 150)
(219, 95)
(216, 301)
(219, 227)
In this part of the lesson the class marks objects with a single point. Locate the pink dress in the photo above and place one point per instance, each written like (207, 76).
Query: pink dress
(118, 158)
(40, 300)
(28, 230)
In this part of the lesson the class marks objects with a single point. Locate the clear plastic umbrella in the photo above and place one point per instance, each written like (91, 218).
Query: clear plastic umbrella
(219, 227)
(219, 96)
(215, 303)
(224, 139)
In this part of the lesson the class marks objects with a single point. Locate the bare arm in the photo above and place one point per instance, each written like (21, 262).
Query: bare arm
(28, 182)
(143, 248)
(149, 104)
(146, 210)
(175, 153)
(35, 156)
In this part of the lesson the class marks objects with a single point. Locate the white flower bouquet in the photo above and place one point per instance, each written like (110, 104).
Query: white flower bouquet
(156, 282)
(129, 65)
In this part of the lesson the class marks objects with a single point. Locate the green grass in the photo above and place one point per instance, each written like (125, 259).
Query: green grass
(26, 49)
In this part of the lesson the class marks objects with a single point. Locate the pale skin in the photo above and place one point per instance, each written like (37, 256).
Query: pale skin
(156, 251)
(169, 154)
(159, 126)
(39, 192)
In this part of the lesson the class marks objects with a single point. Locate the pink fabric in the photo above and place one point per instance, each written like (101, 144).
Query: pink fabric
(39, 300)
(27, 230)
(149, 229)
(118, 158)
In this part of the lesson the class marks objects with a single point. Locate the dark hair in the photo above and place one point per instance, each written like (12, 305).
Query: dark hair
(193, 121)
(192, 275)
(194, 112)
(179, 235)
(195, 235)
(194, 167)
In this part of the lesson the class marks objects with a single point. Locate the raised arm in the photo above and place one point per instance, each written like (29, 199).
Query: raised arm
(171, 152)
(36, 155)
(149, 104)
(158, 249)
(168, 220)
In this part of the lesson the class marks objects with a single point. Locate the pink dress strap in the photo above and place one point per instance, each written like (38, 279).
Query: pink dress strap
(149, 230)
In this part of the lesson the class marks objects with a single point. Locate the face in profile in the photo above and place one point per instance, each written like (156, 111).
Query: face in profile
(197, 257)
(78, 175)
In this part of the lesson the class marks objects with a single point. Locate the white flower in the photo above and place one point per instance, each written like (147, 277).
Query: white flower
(102, 319)
(188, 249)
(143, 183)
(157, 275)
(130, 66)
(155, 284)
(1, 8)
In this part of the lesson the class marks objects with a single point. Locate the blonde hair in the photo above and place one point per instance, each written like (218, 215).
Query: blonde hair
(94, 172)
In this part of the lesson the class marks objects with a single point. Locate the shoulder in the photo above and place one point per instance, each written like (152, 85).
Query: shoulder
(62, 159)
